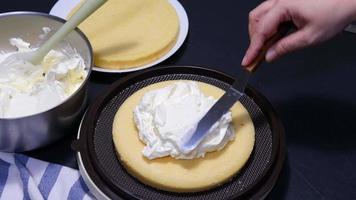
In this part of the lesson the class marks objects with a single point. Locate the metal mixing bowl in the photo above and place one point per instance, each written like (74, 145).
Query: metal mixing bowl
(31, 132)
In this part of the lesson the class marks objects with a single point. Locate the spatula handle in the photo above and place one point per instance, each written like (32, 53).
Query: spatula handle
(284, 28)
(84, 11)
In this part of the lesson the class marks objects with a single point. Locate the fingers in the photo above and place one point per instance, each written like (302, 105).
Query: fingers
(252, 51)
(254, 19)
(260, 10)
(292, 42)
(256, 14)
(266, 27)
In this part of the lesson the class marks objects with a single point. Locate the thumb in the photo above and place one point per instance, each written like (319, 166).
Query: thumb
(292, 42)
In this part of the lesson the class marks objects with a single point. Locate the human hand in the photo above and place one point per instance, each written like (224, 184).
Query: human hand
(315, 21)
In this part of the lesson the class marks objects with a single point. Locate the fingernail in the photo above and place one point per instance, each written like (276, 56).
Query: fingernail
(243, 63)
(270, 55)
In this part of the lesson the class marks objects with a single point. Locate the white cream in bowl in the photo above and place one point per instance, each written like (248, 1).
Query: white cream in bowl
(27, 89)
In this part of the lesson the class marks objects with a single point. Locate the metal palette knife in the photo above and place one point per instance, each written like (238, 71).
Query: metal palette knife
(233, 94)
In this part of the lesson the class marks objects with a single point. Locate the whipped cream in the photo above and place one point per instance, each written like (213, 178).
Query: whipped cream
(46, 31)
(165, 118)
(27, 89)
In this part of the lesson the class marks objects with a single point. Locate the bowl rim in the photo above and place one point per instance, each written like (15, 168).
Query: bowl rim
(81, 34)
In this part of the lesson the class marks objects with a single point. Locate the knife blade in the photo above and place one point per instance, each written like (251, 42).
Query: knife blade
(222, 106)
(233, 94)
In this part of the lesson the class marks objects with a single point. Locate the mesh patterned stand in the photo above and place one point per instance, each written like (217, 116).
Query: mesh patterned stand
(107, 178)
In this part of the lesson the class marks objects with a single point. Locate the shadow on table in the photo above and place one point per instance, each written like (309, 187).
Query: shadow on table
(59, 152)
(322, 124)
(317, 122)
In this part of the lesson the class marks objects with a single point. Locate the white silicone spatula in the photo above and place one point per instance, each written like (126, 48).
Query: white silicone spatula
(35, 57)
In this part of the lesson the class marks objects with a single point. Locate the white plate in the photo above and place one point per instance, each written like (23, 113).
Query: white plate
(63, 7)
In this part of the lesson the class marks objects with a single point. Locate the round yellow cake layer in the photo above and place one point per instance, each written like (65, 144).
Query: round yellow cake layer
(182, 175)
(131, 33)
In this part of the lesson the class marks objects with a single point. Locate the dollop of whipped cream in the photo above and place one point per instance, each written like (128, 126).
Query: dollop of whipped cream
(164, 118)
(27, 89)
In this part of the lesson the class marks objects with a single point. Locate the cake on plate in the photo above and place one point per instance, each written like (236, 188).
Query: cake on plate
(127, 34)
(151, 123)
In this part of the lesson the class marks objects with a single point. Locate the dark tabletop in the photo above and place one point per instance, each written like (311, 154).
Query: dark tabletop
(313, 91)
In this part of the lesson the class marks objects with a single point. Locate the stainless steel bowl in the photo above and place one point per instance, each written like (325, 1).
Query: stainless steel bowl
(31, 132)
